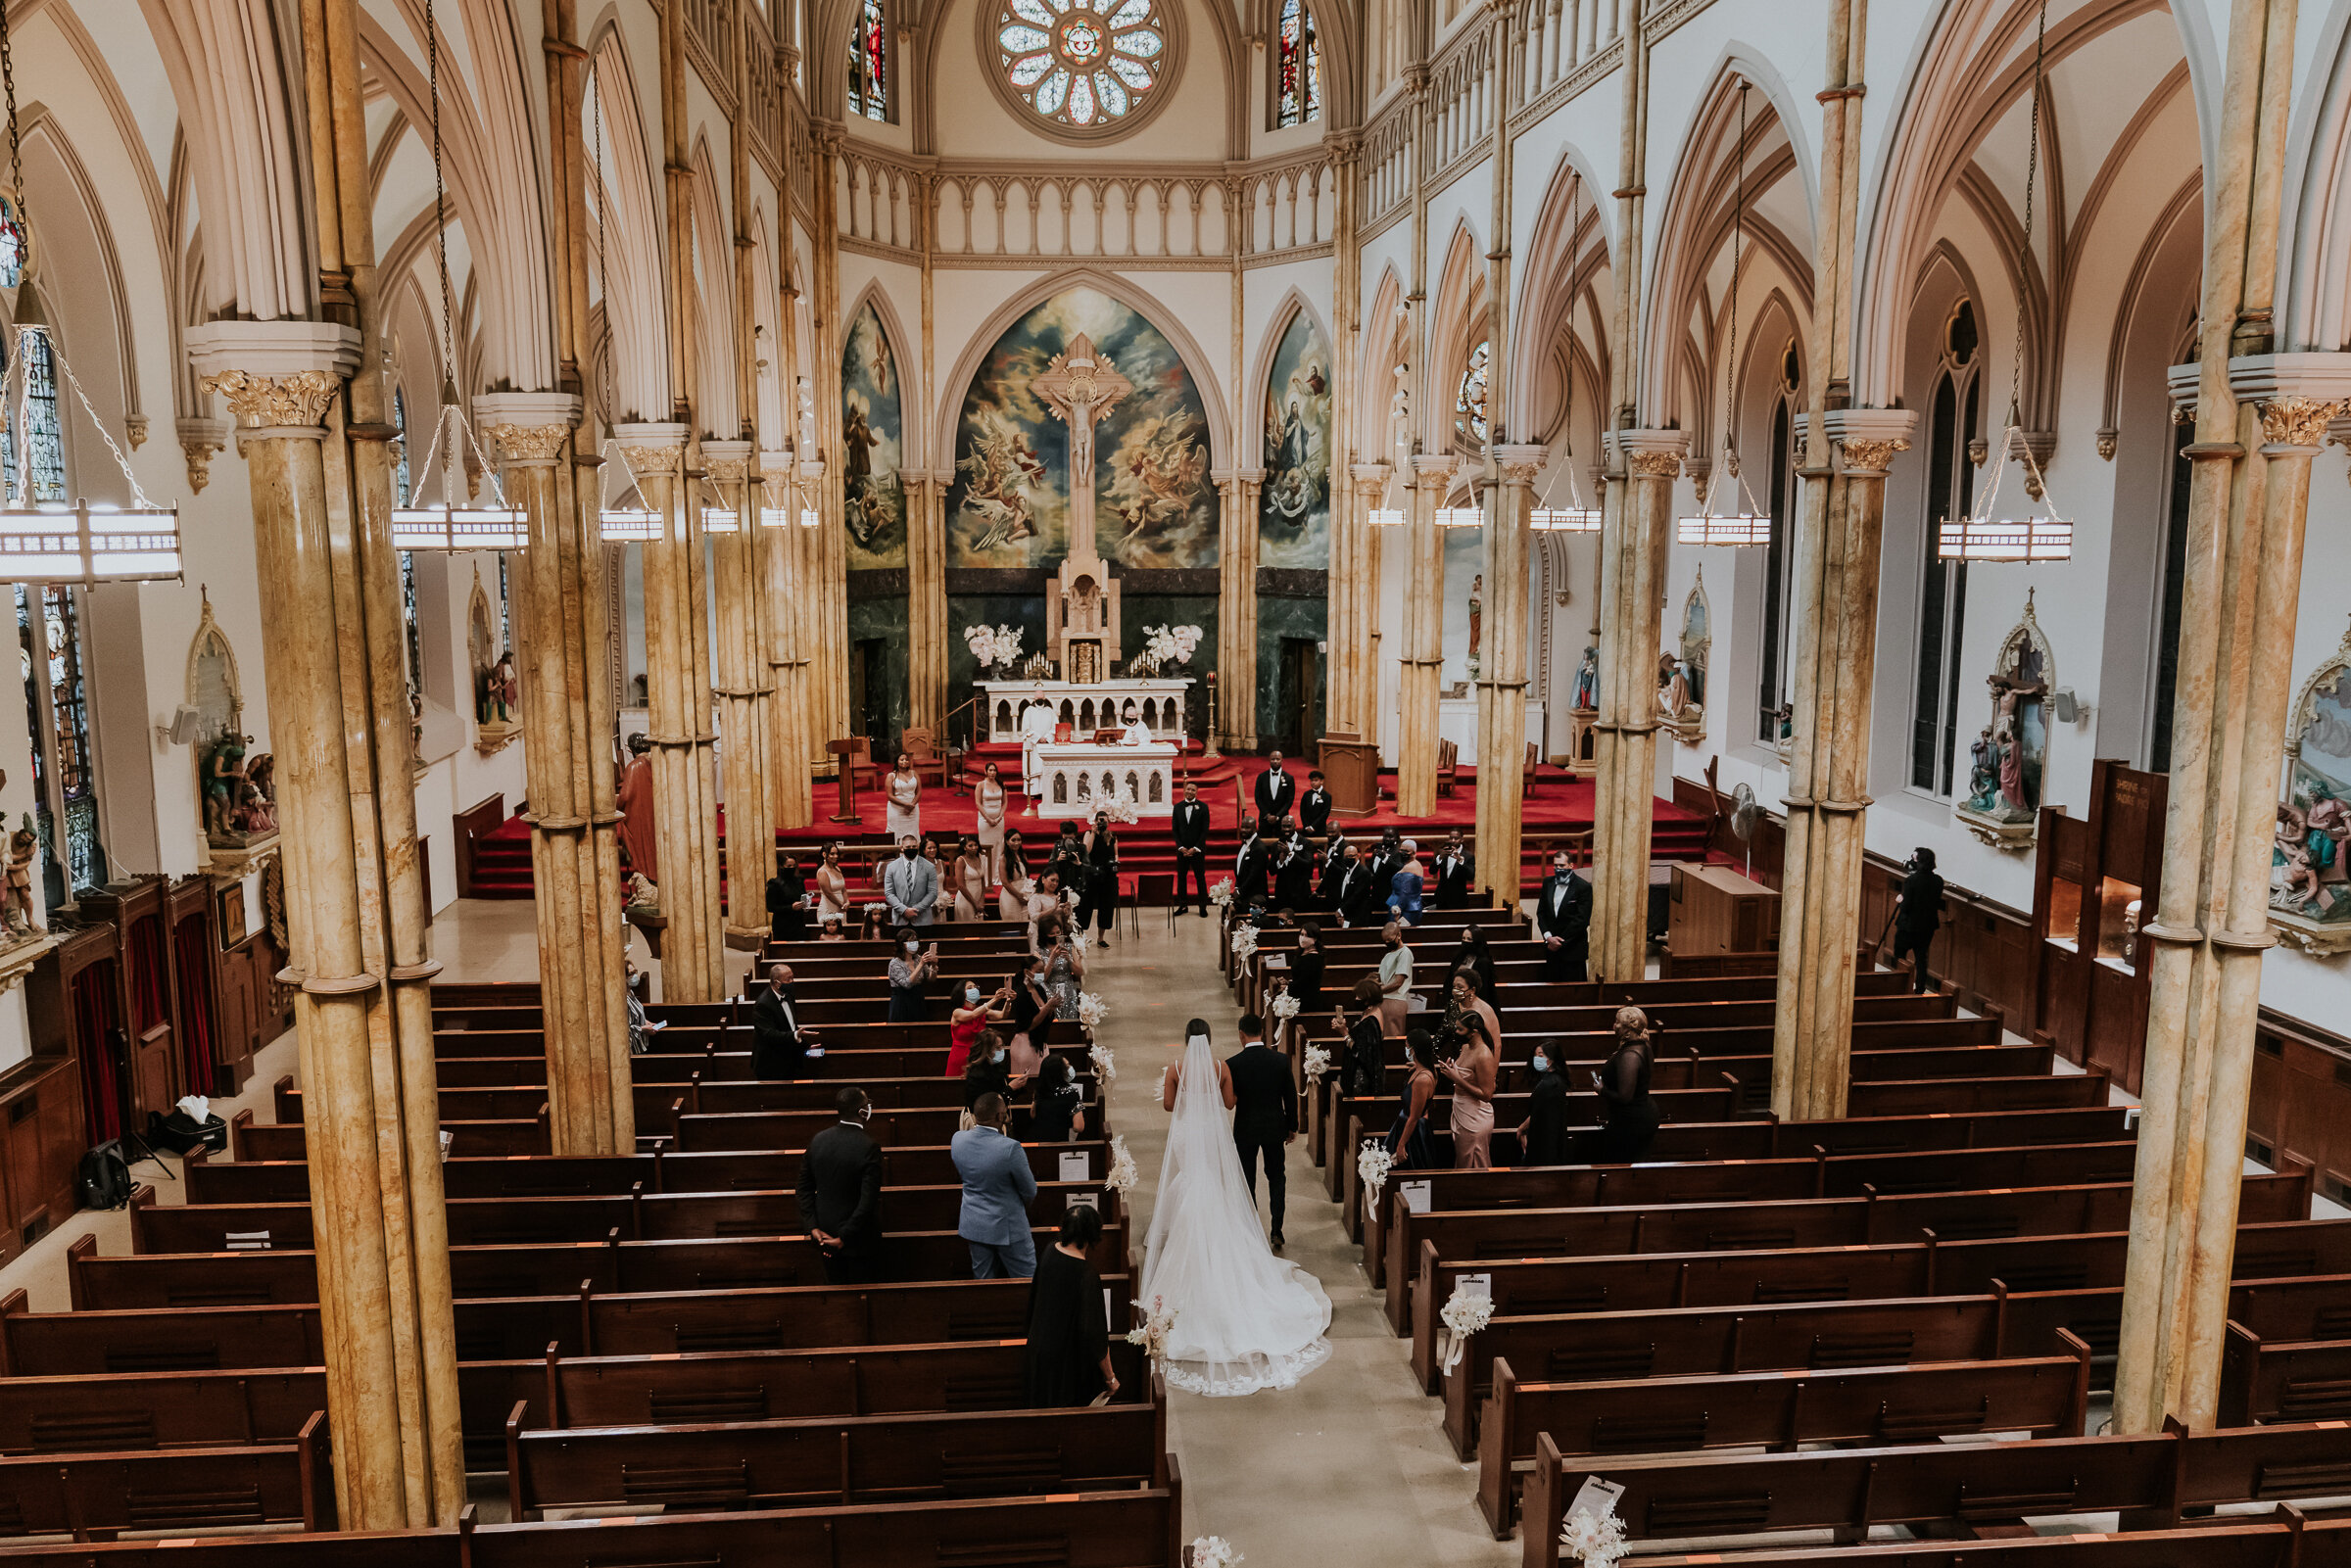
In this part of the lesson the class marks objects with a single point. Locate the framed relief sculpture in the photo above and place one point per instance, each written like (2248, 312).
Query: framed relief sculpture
(1682, 674)
(495, 688)
(2309, 884)
(236, 792)
(2009, 753)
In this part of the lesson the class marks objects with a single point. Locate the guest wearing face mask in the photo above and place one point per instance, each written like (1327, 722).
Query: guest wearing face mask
(1395, 981)
(1563, 915)
(990, 1071)
(1059, 1112)
(841, 1192)
(1477, 957)
(1026, 1002)
(909, 972)
(1356, 881)
(779, 1045)
(973, 1013)
(910, 884)
(1543, 1135)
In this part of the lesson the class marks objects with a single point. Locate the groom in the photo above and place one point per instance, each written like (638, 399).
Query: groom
(1265, 1112)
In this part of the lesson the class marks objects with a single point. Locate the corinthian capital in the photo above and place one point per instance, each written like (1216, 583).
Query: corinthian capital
(653, 450)
(529, 444)
(262, 402)
(1870, 455)
(2296, 421)
(1520, 464)
(1656, 465)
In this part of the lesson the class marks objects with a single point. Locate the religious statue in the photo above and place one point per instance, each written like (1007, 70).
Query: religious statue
(1983, 770)
(1587, 681)
(224, 786)
(2308, 852)
(2005, 760)
(16, 900)
(256, 811)
(2310, 864)
(635, 802)
(1477, 620)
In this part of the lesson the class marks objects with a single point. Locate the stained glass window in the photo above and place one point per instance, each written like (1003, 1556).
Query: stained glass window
(1297, 83)
(1470, 401)
(57, 714)
(12, 244)
(407, 611)
(400, 469)
(869, 62)
(1082, 63)
(40, 417)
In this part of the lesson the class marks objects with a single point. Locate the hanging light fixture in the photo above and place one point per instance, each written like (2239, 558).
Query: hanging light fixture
(449, 526)
(1752, 525)
(717, 519)
(60, 542)
(1575, 517)
(619, 523)
(1985, 536)
(1460, 517)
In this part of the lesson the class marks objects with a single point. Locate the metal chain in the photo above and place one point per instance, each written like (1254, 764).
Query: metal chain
(1730, 363)
(2024, 244)
(16, 153)
(432, 76)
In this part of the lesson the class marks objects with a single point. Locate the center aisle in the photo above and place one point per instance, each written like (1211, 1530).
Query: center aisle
(1348, 1467)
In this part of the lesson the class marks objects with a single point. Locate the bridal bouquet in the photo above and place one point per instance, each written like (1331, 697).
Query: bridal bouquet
(1244, 941)
(1597, 1541)
(1152, 1333)
(1371, 1164)
(1091, 1011)
(1221, 895)
(1318, 1061)
(1105, 1066)
(1122, 1175)
(1464, 1315)
(1214, 1551)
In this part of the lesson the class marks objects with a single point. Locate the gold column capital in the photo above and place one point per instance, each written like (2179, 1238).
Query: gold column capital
(1656, 465)
(653, 450)
(2297, 422)
(1520, 464)
(532, 446)
(293, 403)
(1869, 456)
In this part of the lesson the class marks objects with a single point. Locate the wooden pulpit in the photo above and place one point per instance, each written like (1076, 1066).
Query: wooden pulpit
(1351, 770)
(844, 753)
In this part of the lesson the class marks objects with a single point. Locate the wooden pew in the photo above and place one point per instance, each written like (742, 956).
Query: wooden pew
(2286, 1539)
(2284, 1379)
(2042, 1396)
(875, 1458)
(95, 1495)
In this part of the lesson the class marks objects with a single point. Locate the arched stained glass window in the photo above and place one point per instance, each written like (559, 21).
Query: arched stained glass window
(1470, 401)
(40, 418)
(1298, 66)
(1082, 63)
(869, 62)
(400, 467)
(12, 244)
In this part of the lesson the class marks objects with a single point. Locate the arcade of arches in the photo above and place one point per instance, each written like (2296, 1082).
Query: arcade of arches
(1738, 446)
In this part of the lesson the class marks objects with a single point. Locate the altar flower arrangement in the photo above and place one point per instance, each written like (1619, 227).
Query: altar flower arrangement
(1152, 1333)
(1597, 1541)
(1244, 941)
(1371, 1163)
(1091, 1011)
(1317, 1063)
(1221, 895)
(1122, 810)
(1171, 644)
(1464, 1315)
(1122, 1176)
(1214, 1551)
(1106, 1065)
(993, 645)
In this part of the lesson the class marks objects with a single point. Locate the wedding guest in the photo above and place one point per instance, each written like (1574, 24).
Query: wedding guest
(997, 1190)
(1355, 901)
(970, 881)
(1456, 866)
(987, 798)
(1473, 1075)
(1025, 1006)
(1463, 1002)
(831, 930)
(990, 1071)
(1065, 965)
(903, 815)
(1364, 1067)
(1306, 968)
(1045, 900)
(1395, 979)
(910, 885)
(1410, 1145)
(787, 900)
(973, 1013)
(1404, 895)
(1293, 875)
(841, 1192)
(779, 1045)
(1918, 916)
(1474, 956)
(1068, 1360)
(909, 974)
(1012, 894)
(1563, 915)
(1629, 1118)
(1543, 1135)
(1314, 807)
(1058, 1113)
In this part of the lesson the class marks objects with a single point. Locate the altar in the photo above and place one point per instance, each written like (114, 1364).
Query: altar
(1077, 779)
(1085, 707)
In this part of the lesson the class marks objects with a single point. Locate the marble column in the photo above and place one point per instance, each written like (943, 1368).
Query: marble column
(1502, 678)
(827, 581)
(678, 692)
(1828, 772)
(1423, 655)
(1636, 535)
(929, 701)
(562, 638)
(333, 651)
(782, 564)
(2212, 925)
(1355, 602)
(1237, 610)
(741, 686)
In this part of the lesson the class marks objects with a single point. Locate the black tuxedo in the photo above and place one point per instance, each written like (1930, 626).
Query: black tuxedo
(787, 922)
(1313, 810)
(1293, 878)
(1265, 1114)
(840, 1195)
(1385, 867)
(1275, 794)
(1454, 872)
(1563, 908)
(777, 1049)
(1249, 872)
(1191, 850)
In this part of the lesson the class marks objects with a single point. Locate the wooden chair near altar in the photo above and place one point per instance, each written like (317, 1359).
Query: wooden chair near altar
(1526, 775)
(921, 745)
(1448, 766)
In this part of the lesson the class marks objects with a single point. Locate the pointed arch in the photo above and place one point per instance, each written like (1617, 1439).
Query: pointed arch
(625, 223)
(1384, 346)
(1456, 324)
(1292, 305)
(912, 396)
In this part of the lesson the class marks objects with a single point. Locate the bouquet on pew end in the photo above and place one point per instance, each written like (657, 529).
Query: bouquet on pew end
(1595, 1540)
(1244, 941)
(1091, 1011)
(1152, 1333)
(1464, 1313)
(1221, 895)
(1285, 1007)
(1371, 1163)
(1214, 1551)
(1318, 1061)
(1123, 1177)
(1106, 1065)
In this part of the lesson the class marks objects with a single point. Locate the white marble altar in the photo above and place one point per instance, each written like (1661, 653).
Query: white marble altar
(1084, 706)
(1075, 780)
(1457, 722)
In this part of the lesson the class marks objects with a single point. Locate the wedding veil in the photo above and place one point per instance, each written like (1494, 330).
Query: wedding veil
(1245, 1320)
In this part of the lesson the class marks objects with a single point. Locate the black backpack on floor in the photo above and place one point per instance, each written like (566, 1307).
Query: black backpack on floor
(104, 1181)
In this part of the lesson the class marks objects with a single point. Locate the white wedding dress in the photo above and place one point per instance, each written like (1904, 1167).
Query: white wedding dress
(1245, 1320)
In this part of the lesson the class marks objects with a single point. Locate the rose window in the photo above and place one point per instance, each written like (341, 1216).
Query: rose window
(1082, 63)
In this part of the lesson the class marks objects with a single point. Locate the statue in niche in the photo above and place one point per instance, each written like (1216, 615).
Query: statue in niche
(495, 688)
(224, 787)
(1477, 622)
(1587, 681)
(2006, 765)
(2310, 876)
(1688, 683)
(16, 898)
(256, 811)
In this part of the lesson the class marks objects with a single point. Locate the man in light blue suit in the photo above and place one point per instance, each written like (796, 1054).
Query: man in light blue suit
(910, 884)
(997, 1187)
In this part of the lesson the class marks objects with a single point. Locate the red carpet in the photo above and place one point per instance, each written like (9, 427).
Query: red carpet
(1560, 804)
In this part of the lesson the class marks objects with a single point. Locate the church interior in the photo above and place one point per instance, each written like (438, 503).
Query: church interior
(537, 526)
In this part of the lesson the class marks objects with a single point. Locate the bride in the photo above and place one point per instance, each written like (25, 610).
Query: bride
(1244, 1319)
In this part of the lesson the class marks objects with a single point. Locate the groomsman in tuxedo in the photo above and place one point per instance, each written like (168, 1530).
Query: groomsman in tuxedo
(1276, 791)
(1352, 885)
(1386, 862)
(1250, 866)
(1191, 846)
(1563, 915)
(1314, 807)
(1293, 875)
(1455, 867)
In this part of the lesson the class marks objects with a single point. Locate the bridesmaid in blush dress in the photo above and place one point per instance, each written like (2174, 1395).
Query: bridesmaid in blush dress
(1012, 896)
(904, 815)
(988, 796)
(832, 886)
(971, 882)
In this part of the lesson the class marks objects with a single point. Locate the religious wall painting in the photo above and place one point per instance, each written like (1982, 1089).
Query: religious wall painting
(1154, 505)
(2008, 759)
(2310, 860)
(872, 453)
(490, 666)
(236, 792)
(1293, 512)
(1682, 672)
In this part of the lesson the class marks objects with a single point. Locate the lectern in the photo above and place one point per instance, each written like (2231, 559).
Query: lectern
(844, 755)
(1350, 769)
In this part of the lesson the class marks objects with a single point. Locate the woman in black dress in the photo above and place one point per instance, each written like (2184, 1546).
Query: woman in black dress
(1101, 876)
(1629, 1118)
(1543, 1135)
(786, 892)
(1410, 1144)
(1475, 956)
(1059, 1114)
(1068, 1364)
(1306, 969)
(989, 1070)
(1363, 1069)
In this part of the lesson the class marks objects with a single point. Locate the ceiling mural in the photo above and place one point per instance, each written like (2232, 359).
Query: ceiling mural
(1154, 505)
